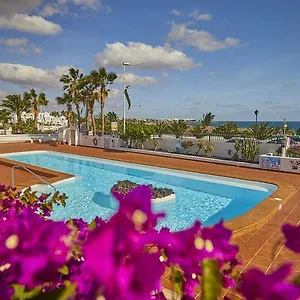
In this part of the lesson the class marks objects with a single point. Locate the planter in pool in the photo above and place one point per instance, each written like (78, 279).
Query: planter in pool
(168, 199)
(159, 195)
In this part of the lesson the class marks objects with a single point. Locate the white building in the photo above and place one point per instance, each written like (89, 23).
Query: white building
(44, 118)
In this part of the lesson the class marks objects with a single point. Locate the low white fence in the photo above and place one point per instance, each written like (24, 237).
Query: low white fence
(106, 142)
(13, 138)
(222, 149)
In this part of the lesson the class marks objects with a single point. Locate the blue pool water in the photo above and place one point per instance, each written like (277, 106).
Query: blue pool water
(198, 196)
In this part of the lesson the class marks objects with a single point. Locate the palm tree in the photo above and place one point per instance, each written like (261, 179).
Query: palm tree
(262, 131)
(36, 101)
(161, 128)
(198, 131)
(256, 116)
(89, 102)
(100, 80)
(111, 117)
(178, 128)
(207, 119)
(5, 118)
(228, 130)
(54, 114)
(16, 104)
(73, 85)
(66, 100)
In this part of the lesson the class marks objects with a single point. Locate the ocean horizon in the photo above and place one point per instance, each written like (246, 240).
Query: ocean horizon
(246, 124)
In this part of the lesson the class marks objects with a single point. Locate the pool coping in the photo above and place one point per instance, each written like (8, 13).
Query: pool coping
(249, 221)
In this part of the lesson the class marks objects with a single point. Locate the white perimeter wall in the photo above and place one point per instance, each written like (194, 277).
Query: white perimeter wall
(26, 137)
(221, 147)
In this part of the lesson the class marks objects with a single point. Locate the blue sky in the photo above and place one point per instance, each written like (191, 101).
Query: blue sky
(187, 57)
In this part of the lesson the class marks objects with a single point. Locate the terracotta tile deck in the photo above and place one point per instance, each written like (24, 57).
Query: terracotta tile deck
(257, 232)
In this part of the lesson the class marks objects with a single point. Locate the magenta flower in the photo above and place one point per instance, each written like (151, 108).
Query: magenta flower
(32, 248)
(117, 266)
(257, 285)
(136, 205)
(292, 235)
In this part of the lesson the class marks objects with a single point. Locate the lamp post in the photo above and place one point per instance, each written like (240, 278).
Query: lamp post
(124, 100)
(256, 114)
(284, 127)
(286, 142)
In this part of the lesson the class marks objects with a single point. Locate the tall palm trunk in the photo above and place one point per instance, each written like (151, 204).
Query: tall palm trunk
(5, 128)
(35, 114)
(18, 117)
(102, 116)
(69, 115)
(78, 115)
(92, 116)
(87, 115)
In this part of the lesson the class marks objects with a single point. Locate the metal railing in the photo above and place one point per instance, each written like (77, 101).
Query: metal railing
(31, 172)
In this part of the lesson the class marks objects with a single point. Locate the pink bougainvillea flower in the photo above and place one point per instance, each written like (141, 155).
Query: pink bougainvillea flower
(33, 248)
(292, 235)
(257, 285)
(137, 205)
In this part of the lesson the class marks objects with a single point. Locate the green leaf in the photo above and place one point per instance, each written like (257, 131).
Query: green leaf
(21, 294)
(64, 270)
(127, 97)
(68, 291)
(296, 280)
(211, 280)
(65, 293)
(177, 279)
(93, 225)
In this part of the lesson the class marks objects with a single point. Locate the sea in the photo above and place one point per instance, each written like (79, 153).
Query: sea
(246, 124)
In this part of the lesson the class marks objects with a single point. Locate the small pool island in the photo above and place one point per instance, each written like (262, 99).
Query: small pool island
(159, 195)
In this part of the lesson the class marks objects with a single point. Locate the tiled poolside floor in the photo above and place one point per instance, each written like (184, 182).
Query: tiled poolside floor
(257, 245)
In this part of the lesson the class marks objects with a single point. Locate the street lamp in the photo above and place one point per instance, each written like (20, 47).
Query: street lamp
(124, 100)
(284, 127)
(256, 114)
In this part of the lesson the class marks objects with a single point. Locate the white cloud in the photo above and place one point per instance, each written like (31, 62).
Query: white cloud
(20, 46)
(133, 79)
(212, 74)
(36, 50)
(200, 39)
(32, 76)
(198, 16)
(3, 95)
(51, 9)
(175, 12)
(17, 6)
(61, 6)
(14, 42)
(22, 50)
(92, 4)
(164, 74)
(140, 55)
(33, 24)
(114, 93)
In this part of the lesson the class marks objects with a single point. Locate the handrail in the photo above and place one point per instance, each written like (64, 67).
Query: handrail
(31, 172)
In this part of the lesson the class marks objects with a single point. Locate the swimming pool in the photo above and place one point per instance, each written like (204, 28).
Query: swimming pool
(198, 196)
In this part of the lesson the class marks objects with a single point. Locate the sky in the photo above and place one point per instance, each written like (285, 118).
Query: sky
(186, 57)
